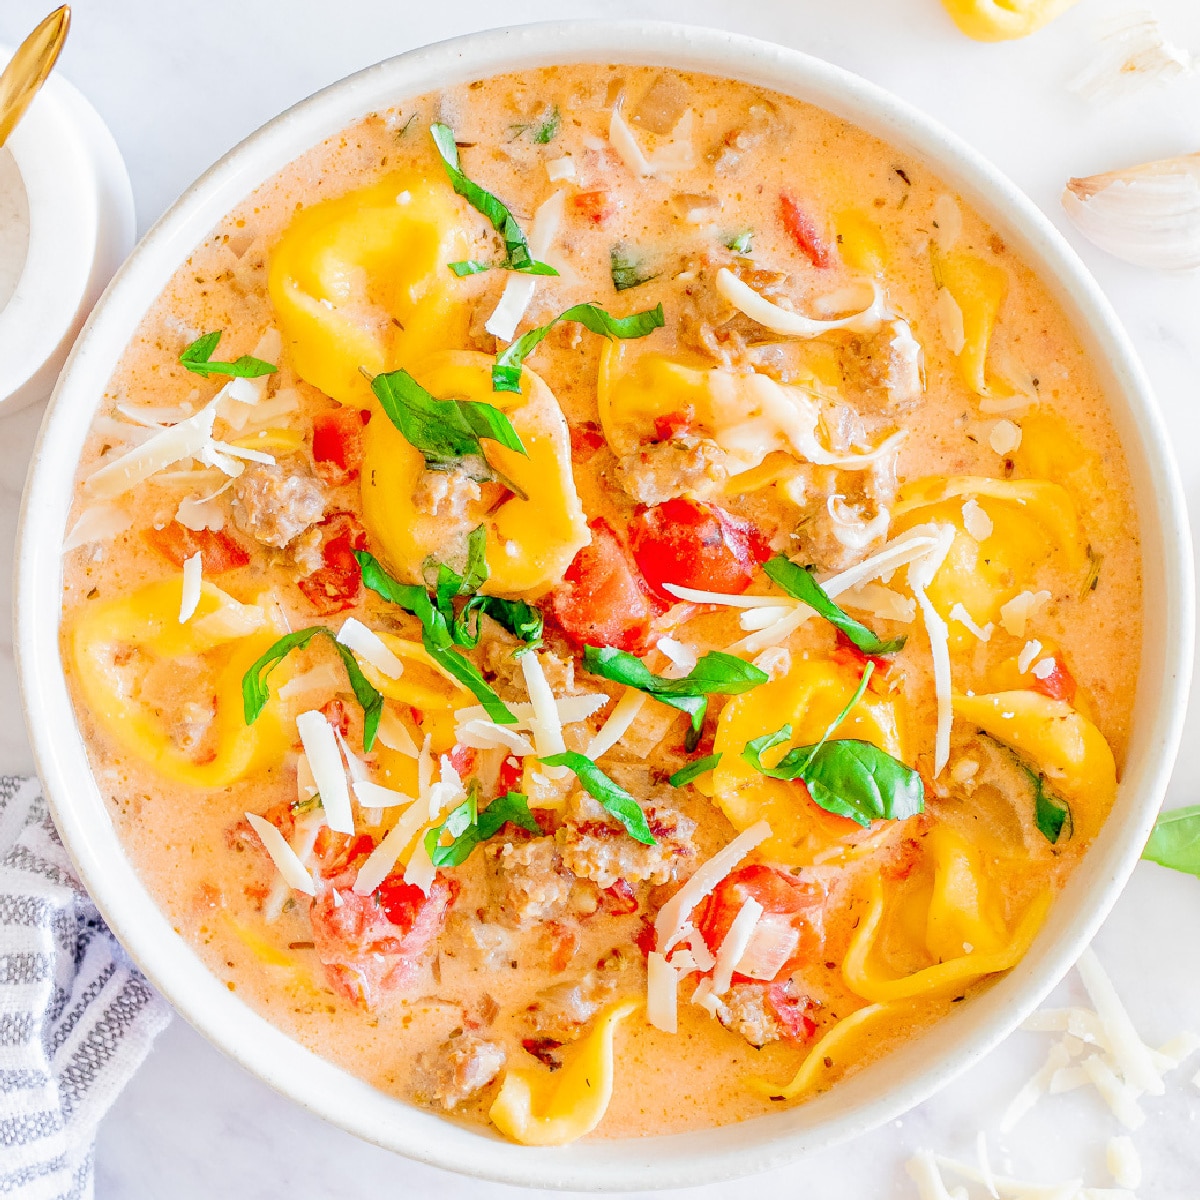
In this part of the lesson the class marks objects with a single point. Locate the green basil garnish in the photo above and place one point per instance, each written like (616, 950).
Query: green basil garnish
(506, 373)
(627, 268)
(693, 770)
(256, 693)
(612, 797)
(848, 777)
(1175, 840)
(799, 583)
(437, 629)
(716, 673)
(1052, 815)
(741, 242)
(468, 827)
(517, 256)
(198, 357)
(469, 266)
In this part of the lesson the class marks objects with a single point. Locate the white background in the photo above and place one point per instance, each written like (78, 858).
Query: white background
(179, 84)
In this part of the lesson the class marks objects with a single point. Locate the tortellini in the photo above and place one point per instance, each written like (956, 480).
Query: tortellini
(1001, 20)
(122, 645)
(540, 1108)
(362, 282)
(945, 923)
(860, 242)
(808, 697)
(978, 288)
(531, 540)
(1056, 739)
(1031, 524)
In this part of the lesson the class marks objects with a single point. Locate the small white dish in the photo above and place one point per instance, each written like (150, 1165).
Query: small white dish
(882, 1091)
(80, 227)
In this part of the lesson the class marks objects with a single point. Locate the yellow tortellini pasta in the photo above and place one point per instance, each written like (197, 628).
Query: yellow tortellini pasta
(808, 697)
(122, 646)
(978, 288)
(948, 916)
(530, 541)
(1033, 525)
(860, 242)
(539, 1108)
(1056, 739)
(1002, 20)
(362, 281)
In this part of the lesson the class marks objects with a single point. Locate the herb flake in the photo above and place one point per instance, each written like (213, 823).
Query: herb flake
(611, 796)
(627, 268)
(693, 770)
(468, 826)
(1175, 840)
(197, 357)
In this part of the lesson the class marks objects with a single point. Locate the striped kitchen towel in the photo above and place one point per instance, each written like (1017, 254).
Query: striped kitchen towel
(76, 1016)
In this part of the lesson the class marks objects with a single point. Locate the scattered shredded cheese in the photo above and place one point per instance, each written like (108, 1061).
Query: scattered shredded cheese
(950, 321)
(880, 601)
(790, 324)
(734, 944)
(189, 594)
(368, 645)
(1044, 669)
(286, 861)
(776, 661)
(97, 523)
(682, 658)
(1029, 652)
(1123, 1162)
(323, 679)
(670, 923)
(519, 289)
(561, 169)
(964, 618)
(1005, 436)
(546, 725)
(374, 795)
(325, 760)
(975, 521)
(623, 715)
(394, 734)
(1128, 1050)
(662, 993)
(487, 735)
(384, 857)
(920, 576)
(420, 871)
(772, 943)
(1020, 609)
(571, 709)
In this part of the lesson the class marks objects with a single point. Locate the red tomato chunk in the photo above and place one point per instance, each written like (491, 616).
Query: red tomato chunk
(802, 229)
(337, 444)
(218, 551)
(337, 584)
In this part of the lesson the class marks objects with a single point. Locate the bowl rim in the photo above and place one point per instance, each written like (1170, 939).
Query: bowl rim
(882, 1091)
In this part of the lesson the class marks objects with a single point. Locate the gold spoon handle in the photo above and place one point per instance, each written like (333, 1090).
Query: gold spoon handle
(29, 66)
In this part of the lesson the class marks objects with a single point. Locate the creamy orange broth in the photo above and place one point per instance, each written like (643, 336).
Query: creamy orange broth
(190, 842)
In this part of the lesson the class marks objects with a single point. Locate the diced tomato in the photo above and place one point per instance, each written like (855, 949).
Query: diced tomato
(792, 1009)
(695, 545)
(779, 893)
(338, 715)
(619, 899)
(371, 945)
(512, 773)
(337, 444)
(338, 855)
(603, 601)
(562, 942)
(218, 551)
(802, 229)
(593, 206)
(1058, 685)
(669, 425)
(847, 652)
(462, 759)
(646, 938)
(586, 438)
(337, 584)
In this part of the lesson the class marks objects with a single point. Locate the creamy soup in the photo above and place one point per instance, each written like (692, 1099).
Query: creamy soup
(632, 730)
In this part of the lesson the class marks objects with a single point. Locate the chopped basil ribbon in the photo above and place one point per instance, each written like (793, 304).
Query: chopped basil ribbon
(468, 827)
(741, 242)
(716, 673)
(506, 373)
(517, 256)
(441, 630)
(1051, 814)
(1175, 840)
(850, 778)
(469, 266)
(693, 770)
(799, 583)
(256, 693)
(546, 130)
(198, 357)
(612, 797)
(627, 268)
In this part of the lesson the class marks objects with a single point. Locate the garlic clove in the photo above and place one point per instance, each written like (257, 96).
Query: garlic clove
(1148, 215)
(1133, 52)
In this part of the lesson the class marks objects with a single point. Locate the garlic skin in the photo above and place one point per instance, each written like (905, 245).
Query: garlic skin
(1133, 52)
(1148, 215)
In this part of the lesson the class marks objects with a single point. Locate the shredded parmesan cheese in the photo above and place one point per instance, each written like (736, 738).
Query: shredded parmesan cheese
(286, 861)
(1005, 436)
(321, 679)
(1021, 609)
(519, 289)
(368, 645)
(374, 795)
(1044, 669)
(662, 993)
(975, 521)
(964, 618)
(571, 709)
(325, 760)
(189, 594)
(394, 734)
(546, 725)
(920, 576)
(487, 735)
(623, 715)
(420, 871)
(734, 944)
(1124, 1165)
(1029, 652)
(97, 523)
(561, 169)
(790, 324)
(1128, 1050)
(950, 321)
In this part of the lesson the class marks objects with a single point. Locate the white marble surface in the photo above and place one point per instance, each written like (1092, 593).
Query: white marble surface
(179, 84)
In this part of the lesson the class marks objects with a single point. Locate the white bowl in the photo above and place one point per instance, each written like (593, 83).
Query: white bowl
(887, 1088)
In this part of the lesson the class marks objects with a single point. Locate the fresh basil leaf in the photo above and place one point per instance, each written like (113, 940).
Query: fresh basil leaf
(198, 358)
(256, 693)
(693, 770)
(469, 827)
(546, 130)
(1051, 814)
(436, 634)
(627, 268)
(469, 266)
(517, 256)
(506, 372)
(614, 798)
(741, 242)
(799, 583)
(444, 431)
(520, 618)
(1175, 840)
(716, 673)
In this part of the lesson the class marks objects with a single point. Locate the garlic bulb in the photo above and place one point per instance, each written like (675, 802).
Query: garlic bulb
(1148, 215)
(1133, 52)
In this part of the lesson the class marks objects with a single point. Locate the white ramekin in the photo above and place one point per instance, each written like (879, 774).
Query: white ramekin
(877, 1094)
